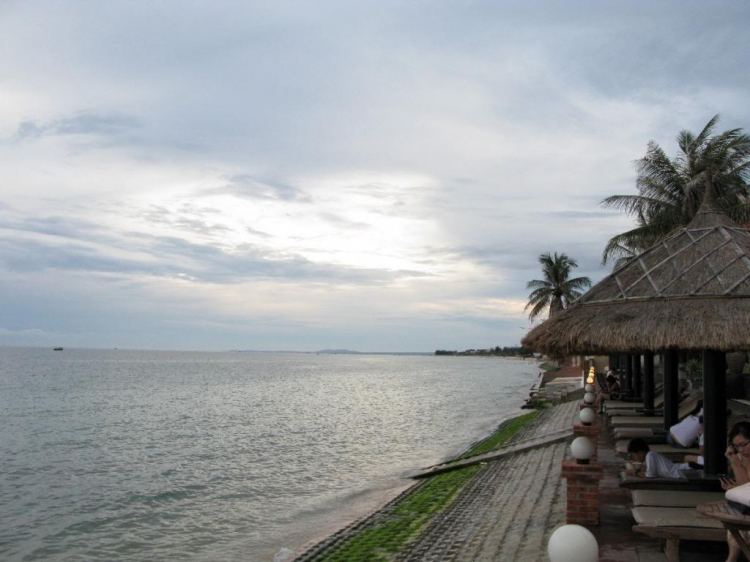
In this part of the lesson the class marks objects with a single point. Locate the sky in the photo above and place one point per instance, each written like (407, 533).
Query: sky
(376, 176)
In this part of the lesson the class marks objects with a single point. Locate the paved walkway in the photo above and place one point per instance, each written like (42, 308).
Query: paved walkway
(508, 511)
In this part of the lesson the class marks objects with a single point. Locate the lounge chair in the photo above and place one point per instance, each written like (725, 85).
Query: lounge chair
(687, 406)
(674, 524)
(644, 432)
(633, 409)
(631, 482)
(668, 498)
(612, 405)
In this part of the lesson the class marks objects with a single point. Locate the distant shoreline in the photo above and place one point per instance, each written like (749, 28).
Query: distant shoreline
(334, 352)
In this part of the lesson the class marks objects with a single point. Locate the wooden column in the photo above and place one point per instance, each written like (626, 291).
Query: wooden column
(629, 374)
(624, 388)
(648, 383)
(671, 388)
(614, 361)
(637, 385)
(715, 411)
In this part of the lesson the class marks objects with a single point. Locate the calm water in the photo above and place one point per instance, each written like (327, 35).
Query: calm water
(143, 455)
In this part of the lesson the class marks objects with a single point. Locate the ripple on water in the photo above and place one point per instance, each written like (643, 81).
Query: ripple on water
(126, 455)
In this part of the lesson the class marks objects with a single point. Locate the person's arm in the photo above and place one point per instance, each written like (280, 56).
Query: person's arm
(738, 467)
(636, 469)
(744, 468)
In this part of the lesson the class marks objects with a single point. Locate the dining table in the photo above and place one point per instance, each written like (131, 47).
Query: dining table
(731, 517)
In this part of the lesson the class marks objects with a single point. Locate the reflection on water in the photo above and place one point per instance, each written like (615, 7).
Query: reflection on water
(127, 455)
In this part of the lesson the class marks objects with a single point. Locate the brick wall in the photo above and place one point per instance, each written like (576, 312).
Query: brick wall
(583, 492)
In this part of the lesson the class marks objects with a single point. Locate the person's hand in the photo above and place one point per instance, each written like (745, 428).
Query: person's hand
(727, 483)
(731, 454)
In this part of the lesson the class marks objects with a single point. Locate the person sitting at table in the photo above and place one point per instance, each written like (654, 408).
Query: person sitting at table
(651, 464)
(612, 392)
(738, 455)
(699, 458)
(686, 432)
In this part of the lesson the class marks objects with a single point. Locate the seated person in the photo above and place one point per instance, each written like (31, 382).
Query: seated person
(685, 433)
(738, 455)
(699, 458)
(651, 465)
(612, 392)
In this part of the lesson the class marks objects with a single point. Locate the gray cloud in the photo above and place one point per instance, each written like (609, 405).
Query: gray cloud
(110, 125)
(66, 227)
(247, 186)
(166, 256)
(343, 222)
(189, 218)
(520, 117)
(572, 214)
(259, 233)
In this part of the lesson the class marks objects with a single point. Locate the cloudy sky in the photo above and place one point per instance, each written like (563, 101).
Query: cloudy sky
(303, 175)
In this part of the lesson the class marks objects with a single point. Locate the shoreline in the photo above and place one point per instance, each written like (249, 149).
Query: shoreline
(332, 521)
(367, 503)
(349, 515)
(323, 540)
(435, 511)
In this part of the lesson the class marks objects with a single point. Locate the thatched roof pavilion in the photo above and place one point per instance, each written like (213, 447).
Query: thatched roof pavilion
(691, 291)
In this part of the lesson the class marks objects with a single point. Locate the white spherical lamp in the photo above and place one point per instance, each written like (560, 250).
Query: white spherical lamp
(572, 543)
(589, 398)
(590, 388)
(582, 449)
(587, 416)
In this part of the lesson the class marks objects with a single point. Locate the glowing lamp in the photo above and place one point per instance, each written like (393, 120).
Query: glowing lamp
(590, 380)
(572, 543)
(589, 398)
(587, 416)
(590, 388)
(582, 449)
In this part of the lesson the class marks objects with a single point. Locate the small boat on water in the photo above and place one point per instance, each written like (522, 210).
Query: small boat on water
(57, 348)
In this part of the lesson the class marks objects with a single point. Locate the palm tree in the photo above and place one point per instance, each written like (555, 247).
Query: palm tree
(670, 190)
(555, 291)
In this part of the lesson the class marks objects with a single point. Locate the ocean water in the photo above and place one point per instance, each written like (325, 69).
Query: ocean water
(154, 455)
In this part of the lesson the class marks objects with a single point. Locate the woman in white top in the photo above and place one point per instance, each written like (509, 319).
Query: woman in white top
(685, 433)
(738, 454)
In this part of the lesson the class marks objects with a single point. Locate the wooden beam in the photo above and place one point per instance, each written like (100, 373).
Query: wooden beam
(648, 383)
(637, 383)
(629, 374)
(671, 388)
(715, 411)
(624, 382)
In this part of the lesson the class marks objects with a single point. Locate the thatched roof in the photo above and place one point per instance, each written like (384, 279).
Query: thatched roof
(690, 291)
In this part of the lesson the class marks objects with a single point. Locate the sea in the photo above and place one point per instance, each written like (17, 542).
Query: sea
(115, 455)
